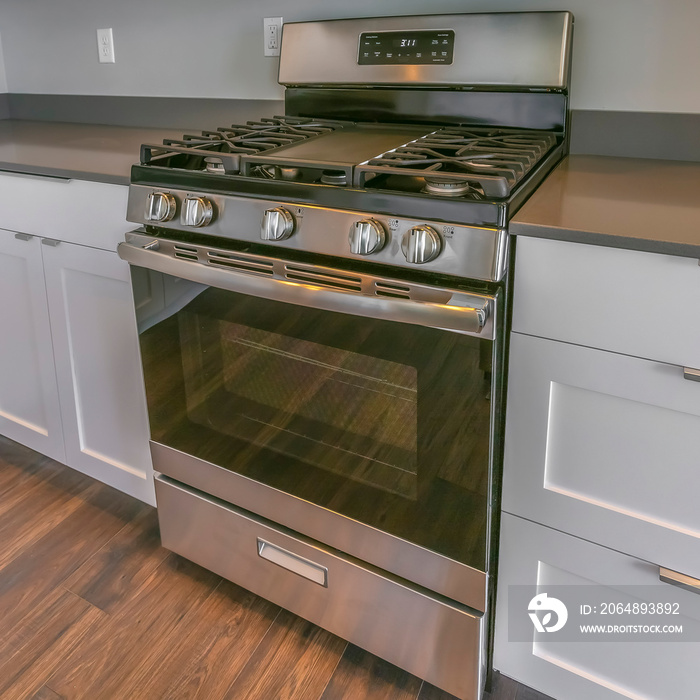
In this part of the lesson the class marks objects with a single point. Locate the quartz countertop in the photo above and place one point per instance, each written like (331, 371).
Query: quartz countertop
(81, 151)
(641, 204)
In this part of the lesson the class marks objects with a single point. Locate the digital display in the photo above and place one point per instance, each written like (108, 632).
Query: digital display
(406, 48)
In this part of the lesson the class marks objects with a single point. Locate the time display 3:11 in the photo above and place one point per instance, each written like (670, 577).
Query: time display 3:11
(401, 48)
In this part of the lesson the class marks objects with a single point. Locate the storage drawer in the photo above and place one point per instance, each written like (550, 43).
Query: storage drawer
(535, 555)
(419, 633)
(640, 304)
(87, 213)
(606, 447)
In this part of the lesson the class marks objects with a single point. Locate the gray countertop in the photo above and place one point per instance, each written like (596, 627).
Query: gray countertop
(81, 151)
(647, 205)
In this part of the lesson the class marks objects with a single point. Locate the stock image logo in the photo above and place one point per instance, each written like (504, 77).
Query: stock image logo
(541, 608)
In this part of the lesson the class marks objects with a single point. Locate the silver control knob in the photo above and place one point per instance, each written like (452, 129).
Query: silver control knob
(366, 237)
(196, 212)
(161, 206)
(421, 244)
(277, 224)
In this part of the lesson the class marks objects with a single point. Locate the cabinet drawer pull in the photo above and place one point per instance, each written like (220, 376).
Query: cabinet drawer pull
(50, 241)
(293, 562)
(680, 580)
(692, 374)
(23, 237)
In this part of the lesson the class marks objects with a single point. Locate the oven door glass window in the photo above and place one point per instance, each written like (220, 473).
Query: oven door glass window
(383, 422)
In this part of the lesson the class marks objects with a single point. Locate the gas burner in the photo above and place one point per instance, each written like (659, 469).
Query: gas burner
(214, 165)
(455, 159)
(193, 152)
(334, 177)
(446, 188)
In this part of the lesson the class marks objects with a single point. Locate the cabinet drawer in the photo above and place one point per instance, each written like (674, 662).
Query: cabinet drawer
(407, 627)
(534, 555)
(641, 304)
(87, 213)
(605, 446)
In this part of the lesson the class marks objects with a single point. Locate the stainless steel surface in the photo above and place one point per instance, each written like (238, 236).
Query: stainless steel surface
(161, 207)
(438, 640)
(153, 245)
(303, 285)
(52, 242)
(528, 49)
(692, 374)
(473, 252)
(400, 557)
(293, 562)
(421, 244)
(23, 237)
(675, 578)
(277, 224)
(366, 237)
(196, 212)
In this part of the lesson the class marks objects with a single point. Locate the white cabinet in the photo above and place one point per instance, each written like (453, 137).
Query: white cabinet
(537, 556)
(602, 443)
(98, 367)
(606, 447)
(29, 409)
(70, 378)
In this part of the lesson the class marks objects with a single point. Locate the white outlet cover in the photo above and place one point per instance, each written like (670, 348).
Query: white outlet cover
(105, 46)
(272, 35)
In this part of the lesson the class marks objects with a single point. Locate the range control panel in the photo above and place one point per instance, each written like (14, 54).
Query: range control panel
(410, 47)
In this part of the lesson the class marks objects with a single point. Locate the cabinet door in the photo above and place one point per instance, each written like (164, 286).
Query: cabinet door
(29, 408)
(625, 301)
(606, 447)
(98, 367)
(580, 572)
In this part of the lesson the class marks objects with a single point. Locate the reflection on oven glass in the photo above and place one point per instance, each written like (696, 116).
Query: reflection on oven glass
(382, 422)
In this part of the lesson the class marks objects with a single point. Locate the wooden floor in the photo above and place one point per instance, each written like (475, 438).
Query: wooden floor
(91, 606)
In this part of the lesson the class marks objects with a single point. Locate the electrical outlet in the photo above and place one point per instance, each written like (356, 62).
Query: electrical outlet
(105, 46)
(272, 35)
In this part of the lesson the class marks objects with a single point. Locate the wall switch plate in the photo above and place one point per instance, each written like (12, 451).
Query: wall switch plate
(272, 35)
(105, 45)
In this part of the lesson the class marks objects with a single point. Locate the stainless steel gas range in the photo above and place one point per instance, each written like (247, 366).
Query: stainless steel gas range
(322, 303)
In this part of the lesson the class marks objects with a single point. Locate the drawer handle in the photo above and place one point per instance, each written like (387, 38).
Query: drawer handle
(680, 580)
(50, 242)
(692, 374)
(293, 562)
(23, 237)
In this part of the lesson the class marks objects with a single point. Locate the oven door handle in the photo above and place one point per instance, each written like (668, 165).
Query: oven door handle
(454, 311)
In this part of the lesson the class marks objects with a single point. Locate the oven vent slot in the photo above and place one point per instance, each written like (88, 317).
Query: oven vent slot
(185, 252)
(397, 291)
(323, 279)
(239, 262)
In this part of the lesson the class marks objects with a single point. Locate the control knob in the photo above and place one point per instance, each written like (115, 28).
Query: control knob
(277, 224)
(161, 206)
(421, 244)
(196, 212)
(366, 237)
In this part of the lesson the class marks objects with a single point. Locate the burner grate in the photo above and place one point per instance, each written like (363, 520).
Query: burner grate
(455, 160)
(220, 150)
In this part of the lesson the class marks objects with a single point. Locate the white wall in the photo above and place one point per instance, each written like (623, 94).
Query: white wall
(640, 55)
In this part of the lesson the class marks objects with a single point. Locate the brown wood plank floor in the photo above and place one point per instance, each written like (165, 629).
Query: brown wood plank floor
(93, 607)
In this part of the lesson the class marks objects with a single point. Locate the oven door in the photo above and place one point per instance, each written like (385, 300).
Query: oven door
(353, 409)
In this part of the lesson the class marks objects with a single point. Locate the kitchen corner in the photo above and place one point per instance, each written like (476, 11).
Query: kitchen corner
(600, 468)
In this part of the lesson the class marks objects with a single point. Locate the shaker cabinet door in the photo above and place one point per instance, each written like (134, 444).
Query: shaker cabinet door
(29, 407)
(98, 367)
(593, 664)
(605, 447)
